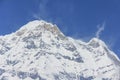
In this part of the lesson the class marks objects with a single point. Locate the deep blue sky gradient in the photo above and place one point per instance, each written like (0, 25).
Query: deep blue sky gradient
(76, 18)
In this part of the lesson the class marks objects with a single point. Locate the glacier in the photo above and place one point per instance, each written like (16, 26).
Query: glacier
(40, 51)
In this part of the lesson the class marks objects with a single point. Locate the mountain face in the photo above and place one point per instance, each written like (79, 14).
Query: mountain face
(40, 51)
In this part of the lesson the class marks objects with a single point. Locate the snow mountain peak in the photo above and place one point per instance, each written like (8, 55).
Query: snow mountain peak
(39, 26)
(40, 51)
(95, 42)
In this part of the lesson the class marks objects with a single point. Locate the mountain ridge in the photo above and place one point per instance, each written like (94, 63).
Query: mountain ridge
(39, 50)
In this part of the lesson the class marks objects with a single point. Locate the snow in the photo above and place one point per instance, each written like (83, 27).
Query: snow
(40, 46)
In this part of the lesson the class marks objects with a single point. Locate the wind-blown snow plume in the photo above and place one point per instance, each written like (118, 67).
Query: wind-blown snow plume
(42, 13)
(100, 29)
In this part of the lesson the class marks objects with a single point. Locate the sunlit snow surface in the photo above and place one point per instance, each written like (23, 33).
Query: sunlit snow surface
(40, 51)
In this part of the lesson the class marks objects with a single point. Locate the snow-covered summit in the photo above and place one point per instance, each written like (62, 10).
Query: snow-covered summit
(33, 24)
(40, 51)
(38, 28)
(95, 42)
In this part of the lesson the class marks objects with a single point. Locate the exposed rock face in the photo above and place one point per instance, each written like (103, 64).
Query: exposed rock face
(40, 51)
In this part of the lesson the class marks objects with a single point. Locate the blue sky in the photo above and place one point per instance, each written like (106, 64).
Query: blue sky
(80, 19)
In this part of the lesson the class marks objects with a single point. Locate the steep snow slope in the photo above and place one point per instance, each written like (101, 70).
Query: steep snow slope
(40, 51)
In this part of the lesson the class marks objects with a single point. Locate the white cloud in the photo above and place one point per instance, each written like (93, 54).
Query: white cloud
(42, 12)
(100, 29)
